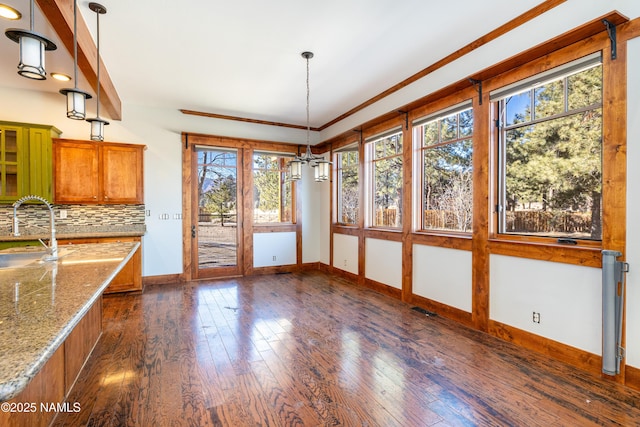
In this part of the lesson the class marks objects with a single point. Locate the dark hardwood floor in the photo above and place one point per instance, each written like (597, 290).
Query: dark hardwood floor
(313, 350)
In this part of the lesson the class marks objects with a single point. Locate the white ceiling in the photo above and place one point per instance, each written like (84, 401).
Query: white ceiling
(242, 58)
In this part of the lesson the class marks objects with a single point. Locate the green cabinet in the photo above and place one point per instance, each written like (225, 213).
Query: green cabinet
(26, 165)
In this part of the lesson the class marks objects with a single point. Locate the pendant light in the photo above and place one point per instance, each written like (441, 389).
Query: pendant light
(32, 47)
(76, 105)
(97, 124)
(320, 165)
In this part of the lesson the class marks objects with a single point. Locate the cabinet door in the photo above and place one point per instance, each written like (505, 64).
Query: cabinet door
(76, 173)
(130, 277)
(40, 163)
(122, 174)
(12, 162)
(25, 160)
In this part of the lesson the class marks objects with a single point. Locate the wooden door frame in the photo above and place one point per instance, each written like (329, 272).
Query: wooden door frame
(245, 149)
(190, 199)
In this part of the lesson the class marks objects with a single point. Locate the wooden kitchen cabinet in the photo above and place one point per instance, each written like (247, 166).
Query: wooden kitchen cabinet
(47, 386)
(58, 375)
(26, 160)
(129, 279)
(76, 172)
(97, 173)
(80, 342)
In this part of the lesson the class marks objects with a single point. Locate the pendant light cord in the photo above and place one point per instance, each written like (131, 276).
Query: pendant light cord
(75, 43)
(308, 122)
(31, 13)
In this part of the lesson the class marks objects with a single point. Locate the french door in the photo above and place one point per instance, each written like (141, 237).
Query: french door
(216, 212)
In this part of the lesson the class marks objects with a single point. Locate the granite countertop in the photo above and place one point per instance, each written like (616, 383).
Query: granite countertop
(42, 302)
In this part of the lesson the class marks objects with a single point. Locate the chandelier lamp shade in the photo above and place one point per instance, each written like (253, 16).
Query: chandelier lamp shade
(32, 48)
(318, 163)
(76, 105)
(97, 123)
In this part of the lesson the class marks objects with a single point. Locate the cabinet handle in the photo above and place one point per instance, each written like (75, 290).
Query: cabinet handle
(95, 197)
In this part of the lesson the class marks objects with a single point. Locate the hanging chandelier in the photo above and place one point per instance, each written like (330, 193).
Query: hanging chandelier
(318, 163)
(32, 47)
(76, 105)
(97, 123)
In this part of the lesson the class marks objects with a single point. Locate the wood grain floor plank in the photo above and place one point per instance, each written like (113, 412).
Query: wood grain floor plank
(310, 349)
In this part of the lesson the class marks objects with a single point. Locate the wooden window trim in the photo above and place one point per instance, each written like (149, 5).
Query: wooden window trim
(369, 161)
(581, 41)
(281, 171)
(273, 228)
(337, 190)
(418, 165)
(526, 246)
(246, 148)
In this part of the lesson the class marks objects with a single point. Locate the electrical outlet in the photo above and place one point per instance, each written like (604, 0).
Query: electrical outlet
(63, 213)
(274, 257)
(345, 263)
(536, 317)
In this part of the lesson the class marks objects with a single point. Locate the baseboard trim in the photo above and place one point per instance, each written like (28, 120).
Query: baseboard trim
(443, 310)
(632, 377)
(581, 359)
(382, 288)
(165, 279)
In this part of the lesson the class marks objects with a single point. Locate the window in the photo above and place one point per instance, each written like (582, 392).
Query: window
(217, 185)
(385, 172)
(550, 135)
(272, 192)
(445, 143)
(347, 185)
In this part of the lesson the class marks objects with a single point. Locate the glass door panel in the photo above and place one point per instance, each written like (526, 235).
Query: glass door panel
(9, 162)
(216, 216)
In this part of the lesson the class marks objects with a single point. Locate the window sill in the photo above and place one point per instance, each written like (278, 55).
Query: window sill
(443, 233)
(273, 227)
(585, 254)
(451, 240)
(384, 229)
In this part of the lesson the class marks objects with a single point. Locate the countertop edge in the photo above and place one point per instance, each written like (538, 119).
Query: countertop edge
(11, 389)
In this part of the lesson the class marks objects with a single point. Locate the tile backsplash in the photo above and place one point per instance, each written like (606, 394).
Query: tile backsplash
(34, 219)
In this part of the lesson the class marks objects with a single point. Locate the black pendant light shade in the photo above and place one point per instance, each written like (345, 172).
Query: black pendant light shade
(32, 48)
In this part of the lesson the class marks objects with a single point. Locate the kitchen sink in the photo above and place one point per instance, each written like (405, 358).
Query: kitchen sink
(21, 258)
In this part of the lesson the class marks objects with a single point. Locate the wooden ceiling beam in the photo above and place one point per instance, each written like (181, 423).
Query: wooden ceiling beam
(59, 13)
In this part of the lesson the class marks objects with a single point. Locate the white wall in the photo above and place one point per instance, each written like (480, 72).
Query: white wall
(345, 252)
(271, 249)
(443, 275)
(315, 217)
(568, 298)
(383, 262)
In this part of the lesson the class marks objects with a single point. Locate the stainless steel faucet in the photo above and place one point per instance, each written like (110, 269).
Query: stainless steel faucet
(52, 249)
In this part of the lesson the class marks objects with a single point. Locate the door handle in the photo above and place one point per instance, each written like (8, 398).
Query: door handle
(193, 231)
